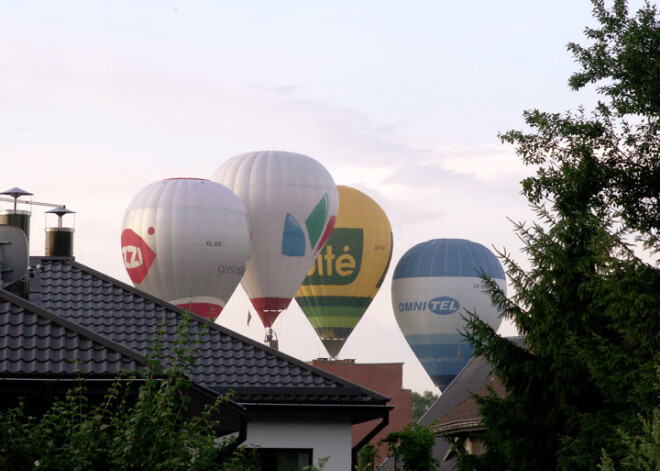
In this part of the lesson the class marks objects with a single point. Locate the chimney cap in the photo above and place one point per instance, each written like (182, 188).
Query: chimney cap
(16, 192)
(61, 211)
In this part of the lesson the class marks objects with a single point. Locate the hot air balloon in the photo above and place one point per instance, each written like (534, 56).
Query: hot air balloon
(349, 270)
(187, 241)
(292, 203)
(433, 284)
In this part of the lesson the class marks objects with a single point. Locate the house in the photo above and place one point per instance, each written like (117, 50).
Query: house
(455, 413)
(384, 378)
(291, 410)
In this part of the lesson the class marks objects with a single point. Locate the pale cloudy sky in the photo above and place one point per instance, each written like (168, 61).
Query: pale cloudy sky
(402, 100)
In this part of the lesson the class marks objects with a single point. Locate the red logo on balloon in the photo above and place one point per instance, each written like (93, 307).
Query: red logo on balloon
(138, 256)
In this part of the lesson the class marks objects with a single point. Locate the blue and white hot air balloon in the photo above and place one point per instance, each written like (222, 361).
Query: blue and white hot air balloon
(433, 284)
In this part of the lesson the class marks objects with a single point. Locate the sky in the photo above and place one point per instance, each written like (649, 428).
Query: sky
(402, 100)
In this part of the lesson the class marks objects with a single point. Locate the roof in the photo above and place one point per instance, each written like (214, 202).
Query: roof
(465, 417)
(471, 379)
(455, 410)
(36, 344)
(224, 359)
(33, 342)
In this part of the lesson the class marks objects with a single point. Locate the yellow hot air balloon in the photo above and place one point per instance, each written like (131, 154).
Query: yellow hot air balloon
(348, 271)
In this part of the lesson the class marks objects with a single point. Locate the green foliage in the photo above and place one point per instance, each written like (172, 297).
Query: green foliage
(621, 58)
(413, 446)
(242, 459)
(587, 306)
(367, 458)
(321, 464)
(421, 403)
(123, 432)
(642, 448)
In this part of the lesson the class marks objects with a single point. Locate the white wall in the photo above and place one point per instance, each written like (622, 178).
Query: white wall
(327, 438)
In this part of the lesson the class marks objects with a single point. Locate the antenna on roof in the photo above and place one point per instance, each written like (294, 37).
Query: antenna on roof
(13, 255)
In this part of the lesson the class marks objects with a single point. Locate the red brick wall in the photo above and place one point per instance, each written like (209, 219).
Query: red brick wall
(383, 378)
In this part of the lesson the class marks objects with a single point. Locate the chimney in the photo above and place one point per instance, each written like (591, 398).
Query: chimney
(20, 219)
(59, 239)
(17, 217)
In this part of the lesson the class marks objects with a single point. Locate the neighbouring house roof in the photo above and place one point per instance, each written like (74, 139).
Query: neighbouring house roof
(465, 417)
(42, 355)
(224, 360)
(472, 378)
(455, 412)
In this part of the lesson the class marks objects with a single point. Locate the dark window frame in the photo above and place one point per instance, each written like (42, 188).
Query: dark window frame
(268, 457)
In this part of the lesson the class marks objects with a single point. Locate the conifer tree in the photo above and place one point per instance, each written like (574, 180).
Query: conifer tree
(588, 306)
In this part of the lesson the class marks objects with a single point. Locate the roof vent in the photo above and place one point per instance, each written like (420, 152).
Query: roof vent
(59, 239)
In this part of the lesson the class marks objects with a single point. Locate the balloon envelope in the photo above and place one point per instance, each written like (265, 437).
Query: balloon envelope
(291, 200)
(348, 272)
(433, 284)
(186, 241)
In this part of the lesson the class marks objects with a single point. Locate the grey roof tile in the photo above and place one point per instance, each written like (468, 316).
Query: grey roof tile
(224, 359)
(35, 342)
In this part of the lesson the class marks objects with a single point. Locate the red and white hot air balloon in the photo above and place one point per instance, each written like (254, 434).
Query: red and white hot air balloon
(186, 240)
(292, 203)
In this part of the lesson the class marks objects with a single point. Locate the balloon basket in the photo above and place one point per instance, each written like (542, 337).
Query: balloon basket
(271, 339)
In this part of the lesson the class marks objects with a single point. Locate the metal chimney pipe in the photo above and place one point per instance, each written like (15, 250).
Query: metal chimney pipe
(20, 219)
(59, 239)
(16, 217)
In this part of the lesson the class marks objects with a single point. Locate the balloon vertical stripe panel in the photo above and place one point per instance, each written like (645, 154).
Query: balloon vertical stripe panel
(292, 203)
(187, 241)
(449, 257)
(433, 286)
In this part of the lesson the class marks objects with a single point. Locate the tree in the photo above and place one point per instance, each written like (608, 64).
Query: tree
(125, 433)
(421, 403)
(413, 446)
(367, 458)
(151, 433)
(643, 448)
(588, 306)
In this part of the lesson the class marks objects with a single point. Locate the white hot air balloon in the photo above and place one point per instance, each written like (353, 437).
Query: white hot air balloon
(186, 240)
(292, 203)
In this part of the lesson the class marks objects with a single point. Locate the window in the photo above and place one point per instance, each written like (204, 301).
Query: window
(284, 459)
